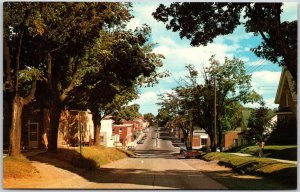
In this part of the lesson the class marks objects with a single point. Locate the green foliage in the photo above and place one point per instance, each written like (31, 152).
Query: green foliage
(259, 123)
(202, 22)
(84, 52)
(283, 173)
(127, 113)
(192, 104)
(163, 116)
(286, 152)
(150, 118)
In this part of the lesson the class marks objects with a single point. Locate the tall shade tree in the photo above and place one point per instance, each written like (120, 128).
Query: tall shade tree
(70, 31)
(201, 23)
(232, 85)
(178, 114)
(193, 103)
(123, 60)
(259, 123)
(55, 37)
(19, 80)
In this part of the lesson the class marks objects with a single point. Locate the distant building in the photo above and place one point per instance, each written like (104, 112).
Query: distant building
(200, 139)
(125, 133)
(106, 134)
(233, 138)
(286, 96)
(74, 124)
(32, 128)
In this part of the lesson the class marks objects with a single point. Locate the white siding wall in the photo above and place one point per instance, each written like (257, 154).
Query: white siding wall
(106, 133)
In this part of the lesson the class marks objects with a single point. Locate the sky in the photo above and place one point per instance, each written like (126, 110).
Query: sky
(178, 53)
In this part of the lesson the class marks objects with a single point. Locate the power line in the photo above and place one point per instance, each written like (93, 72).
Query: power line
(258, 65)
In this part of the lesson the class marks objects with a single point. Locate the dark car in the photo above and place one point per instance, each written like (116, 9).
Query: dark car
(191, 154)
(140, 141)
(130, 148)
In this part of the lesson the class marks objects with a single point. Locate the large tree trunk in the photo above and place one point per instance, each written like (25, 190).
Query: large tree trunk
(97, 126)
(46, 126)
(55, 111)
(15, 131)
(212, 142)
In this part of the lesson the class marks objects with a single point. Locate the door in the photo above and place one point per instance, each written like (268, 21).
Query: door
(33, 135)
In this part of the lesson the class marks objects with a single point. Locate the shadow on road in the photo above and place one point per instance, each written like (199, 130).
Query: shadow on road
(180, 179)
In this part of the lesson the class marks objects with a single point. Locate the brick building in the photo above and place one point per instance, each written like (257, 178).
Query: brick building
(125, 133)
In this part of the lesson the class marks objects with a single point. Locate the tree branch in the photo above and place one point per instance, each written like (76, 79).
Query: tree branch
(30, 96)
(71, 86)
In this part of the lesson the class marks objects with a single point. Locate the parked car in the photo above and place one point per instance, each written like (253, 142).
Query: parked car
(191, 154)
(182, 149)
(140, 141)
(130, 148)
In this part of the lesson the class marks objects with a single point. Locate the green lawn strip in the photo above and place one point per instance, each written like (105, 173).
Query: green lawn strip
(283, 173)
(18, 167)
(288, 152)
(90, 158)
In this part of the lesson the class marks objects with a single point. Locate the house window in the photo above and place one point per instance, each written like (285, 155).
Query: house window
(203, 141)
(235, 142)
(120, 131)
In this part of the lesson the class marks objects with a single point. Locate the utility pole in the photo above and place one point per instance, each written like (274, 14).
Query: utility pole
(215, 112)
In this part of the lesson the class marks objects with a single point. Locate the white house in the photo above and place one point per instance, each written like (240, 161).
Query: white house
(106, 136)
(200, 139)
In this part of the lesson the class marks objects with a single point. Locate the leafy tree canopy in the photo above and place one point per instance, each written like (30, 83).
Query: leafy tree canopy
(150, 118)
(128, 113)
(202, 22)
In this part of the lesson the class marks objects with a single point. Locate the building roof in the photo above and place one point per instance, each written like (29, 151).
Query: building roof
(285, 77)
(123, 125)
(107, 117)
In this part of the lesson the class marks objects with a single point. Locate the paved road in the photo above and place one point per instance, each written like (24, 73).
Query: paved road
(157, 167)
(157, 144)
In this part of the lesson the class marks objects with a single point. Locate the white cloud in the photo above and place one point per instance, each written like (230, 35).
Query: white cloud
(266, 77)
(290, 11)
(179, 56)
(134, 23)
(236, 37)
(268, 103)
(146, 98)
(265, 83)
(245, 59)
(168, 42)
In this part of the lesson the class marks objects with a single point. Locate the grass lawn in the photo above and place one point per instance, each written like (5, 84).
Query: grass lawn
(281, 175)
(92, 157)
(288, 152)
(18, 167)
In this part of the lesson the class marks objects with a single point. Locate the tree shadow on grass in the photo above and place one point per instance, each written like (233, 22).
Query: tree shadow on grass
(285, 178)
(237, 181)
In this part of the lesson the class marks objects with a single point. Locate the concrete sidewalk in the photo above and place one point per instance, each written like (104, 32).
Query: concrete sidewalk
(279, 160)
